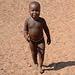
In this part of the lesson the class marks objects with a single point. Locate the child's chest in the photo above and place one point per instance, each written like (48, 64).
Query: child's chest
(35, 24)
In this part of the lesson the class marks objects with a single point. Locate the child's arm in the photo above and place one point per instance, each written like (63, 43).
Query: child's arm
(26, 30)
(45, 27)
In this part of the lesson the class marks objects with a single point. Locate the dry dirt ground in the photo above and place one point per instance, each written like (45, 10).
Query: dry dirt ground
(15, 53)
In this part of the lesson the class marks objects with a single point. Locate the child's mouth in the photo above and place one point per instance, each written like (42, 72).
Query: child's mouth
(34, 14)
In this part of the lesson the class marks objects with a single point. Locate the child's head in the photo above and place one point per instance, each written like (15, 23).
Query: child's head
(34, 9)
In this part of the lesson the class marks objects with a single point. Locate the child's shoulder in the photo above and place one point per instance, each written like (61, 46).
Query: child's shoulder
(28, 19)
(42, 19)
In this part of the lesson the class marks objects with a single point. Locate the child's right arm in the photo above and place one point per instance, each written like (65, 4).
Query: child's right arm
(45, 27)
(26, 30)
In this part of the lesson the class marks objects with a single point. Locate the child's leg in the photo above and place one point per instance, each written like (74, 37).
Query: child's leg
(34, 52)
(41, 50)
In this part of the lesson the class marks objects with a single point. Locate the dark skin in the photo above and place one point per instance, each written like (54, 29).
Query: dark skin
(33, 29)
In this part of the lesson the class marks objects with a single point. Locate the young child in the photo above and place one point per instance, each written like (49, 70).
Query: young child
(33, 33)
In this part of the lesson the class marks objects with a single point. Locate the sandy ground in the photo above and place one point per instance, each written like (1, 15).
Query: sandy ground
(15, 53)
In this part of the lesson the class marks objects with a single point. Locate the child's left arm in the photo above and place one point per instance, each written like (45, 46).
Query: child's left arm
(45, 27)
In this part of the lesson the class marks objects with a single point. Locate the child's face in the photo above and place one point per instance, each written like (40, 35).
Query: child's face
(34, 11)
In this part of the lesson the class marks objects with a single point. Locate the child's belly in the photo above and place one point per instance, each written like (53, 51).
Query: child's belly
(36, 34)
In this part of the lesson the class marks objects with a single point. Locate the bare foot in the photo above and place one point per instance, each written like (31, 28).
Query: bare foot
(40, 70)
(35, 66)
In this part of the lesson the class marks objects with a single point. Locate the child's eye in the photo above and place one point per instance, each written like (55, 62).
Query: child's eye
(37, 10)
(32, 10)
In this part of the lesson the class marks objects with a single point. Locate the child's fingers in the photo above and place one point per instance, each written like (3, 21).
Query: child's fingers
(28, 39)
(48, 42)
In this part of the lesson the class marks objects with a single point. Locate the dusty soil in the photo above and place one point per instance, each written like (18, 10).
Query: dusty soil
(15, 56)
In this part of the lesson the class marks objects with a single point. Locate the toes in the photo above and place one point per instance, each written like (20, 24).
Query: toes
(41, 71)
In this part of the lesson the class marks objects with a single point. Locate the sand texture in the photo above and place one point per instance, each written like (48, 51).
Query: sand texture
(15, 54)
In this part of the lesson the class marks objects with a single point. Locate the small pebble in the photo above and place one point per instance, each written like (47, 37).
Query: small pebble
(2, 69)
(29, 65)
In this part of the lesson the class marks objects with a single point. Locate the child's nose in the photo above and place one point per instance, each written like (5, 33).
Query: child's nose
(34, 11)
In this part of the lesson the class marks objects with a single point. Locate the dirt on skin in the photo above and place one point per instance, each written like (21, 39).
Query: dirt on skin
(15, 55)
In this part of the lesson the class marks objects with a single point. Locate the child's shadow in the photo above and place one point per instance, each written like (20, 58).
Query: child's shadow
(59, 65)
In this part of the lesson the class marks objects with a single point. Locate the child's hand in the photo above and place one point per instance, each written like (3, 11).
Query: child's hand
(28, 39)
(48, 41)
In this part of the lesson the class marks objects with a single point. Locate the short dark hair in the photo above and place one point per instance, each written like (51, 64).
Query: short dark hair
(35, 2)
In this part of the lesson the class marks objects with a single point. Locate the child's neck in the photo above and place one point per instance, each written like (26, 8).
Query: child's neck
(35, 19)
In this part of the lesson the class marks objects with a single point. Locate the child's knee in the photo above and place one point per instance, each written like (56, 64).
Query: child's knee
(34, 53)
(41, 53)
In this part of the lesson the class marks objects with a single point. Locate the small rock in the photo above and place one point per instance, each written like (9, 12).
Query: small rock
(1, 68)
(29, 65)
